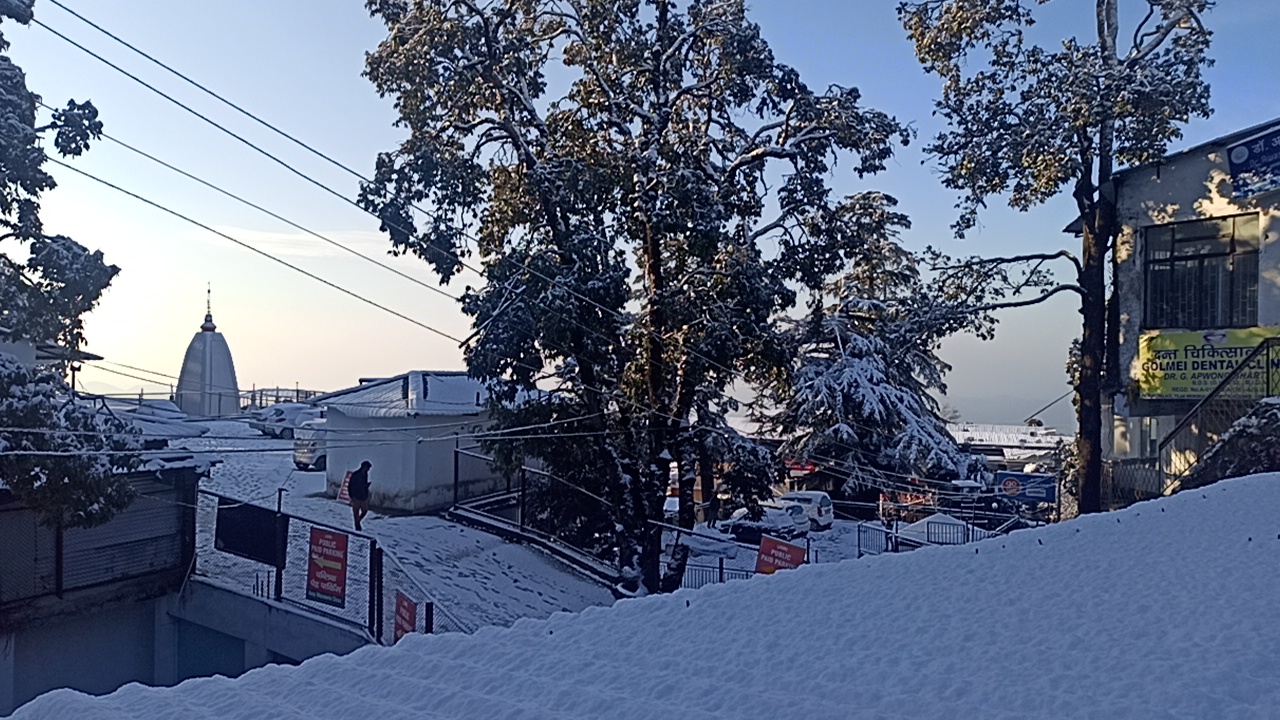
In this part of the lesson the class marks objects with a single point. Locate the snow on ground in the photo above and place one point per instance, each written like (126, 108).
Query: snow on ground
(476, 577)
(1166, 610)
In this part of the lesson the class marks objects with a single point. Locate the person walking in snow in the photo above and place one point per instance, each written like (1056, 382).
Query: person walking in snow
(713, 510)
(358, 490)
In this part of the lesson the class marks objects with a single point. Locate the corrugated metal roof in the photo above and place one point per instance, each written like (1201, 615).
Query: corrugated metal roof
(412, 394)
(1006, 436)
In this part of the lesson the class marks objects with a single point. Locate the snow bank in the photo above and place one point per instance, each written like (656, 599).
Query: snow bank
(1167, 609)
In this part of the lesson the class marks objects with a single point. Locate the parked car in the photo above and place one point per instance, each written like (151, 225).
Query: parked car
(671, 510)
(773, 522)
(281, 420)
(793, 510)
(309, 446)
(817, 505)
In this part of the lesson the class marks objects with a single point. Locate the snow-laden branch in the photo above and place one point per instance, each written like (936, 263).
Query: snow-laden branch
(1013, 259)
(1029, 301)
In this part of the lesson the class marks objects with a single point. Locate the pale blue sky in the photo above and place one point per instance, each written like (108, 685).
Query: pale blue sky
(297, 64)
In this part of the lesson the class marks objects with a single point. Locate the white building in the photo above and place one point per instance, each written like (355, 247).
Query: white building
(408, 427)
(1009, 447)
(207, 384)
(1198, 277)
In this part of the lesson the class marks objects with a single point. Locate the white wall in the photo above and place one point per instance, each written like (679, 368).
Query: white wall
(412, 457)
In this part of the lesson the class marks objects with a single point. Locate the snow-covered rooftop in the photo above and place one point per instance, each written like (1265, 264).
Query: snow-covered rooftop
(1006, 436)
(410, 395)
(1167, 609)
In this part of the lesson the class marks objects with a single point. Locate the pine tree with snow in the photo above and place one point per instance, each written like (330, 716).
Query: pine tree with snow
(646, 188)
(857, 398)
(56, 455)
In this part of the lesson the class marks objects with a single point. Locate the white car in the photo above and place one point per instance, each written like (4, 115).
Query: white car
(795, 511)
(772, 522)
(309, 446)
(817, 506)
(281, 420)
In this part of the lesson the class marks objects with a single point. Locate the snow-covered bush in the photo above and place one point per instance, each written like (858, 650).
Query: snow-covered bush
(58, 456)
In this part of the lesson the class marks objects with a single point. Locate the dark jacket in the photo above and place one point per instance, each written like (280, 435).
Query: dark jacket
(358, 485)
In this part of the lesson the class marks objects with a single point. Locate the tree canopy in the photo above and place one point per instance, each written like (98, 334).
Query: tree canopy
(646, 188)
(57, 455)
(1027, 121)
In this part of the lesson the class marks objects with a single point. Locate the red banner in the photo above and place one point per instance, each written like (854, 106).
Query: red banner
(342, 491)
(777, 555)
(327, 568)
(406, 616)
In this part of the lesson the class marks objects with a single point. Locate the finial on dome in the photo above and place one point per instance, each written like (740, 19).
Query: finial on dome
(208, 325)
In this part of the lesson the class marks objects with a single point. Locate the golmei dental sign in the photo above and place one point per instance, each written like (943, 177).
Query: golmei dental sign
(1189, 365)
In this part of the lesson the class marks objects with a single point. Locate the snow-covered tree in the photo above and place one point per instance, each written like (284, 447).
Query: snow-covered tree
(647, 187)
(1028, 121)
(56, 455)
(857, 398)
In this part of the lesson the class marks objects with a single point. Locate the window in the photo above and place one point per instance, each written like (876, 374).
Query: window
(1203, 274)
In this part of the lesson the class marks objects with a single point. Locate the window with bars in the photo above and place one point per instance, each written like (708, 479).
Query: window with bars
(1203, 274)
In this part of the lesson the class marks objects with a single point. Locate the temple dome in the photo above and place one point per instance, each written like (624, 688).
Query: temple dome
(207, 384)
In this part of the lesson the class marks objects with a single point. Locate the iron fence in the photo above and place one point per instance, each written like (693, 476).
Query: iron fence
(875, 541)
(1125, 482)
(1256, 377)
(696, 574)
(322, 569)
(154, 534)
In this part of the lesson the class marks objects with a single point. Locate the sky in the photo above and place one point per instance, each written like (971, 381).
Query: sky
(297, 64)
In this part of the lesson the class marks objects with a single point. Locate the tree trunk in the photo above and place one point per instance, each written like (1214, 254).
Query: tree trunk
(1093, 308)
(707, 476)
(659, 463)
(688, 478)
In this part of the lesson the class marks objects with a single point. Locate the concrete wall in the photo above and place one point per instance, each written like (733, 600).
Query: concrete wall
(206, 630)
(412, 459)
(257, 631)
(1192, 186)
(94, 653)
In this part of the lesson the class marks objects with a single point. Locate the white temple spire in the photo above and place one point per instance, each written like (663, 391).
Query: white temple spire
(207, 384)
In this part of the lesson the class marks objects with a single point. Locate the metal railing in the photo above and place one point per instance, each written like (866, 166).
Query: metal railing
(539, 507)
(1256, 377)
(324, 570)
(1125, 482)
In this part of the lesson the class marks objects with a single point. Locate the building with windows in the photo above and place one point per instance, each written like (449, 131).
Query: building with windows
(1197, 276)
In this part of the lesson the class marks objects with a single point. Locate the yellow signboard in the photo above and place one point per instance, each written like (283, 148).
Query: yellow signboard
(1189, 365)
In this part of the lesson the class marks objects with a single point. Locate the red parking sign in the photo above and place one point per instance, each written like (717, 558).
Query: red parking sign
(775, 555)
(406, 616)
(327, 568)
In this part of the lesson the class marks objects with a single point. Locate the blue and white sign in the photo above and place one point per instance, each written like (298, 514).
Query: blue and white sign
(1027, 487)
(1255, 165)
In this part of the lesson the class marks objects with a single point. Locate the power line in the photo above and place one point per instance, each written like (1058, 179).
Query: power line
(263, 253)
(331, 191)
(277, 216)
(1056, 400)
(211, 93)
(144, 370)
(324, 187)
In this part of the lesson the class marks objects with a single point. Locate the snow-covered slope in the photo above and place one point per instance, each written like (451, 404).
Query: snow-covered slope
(475, 577)
(1170, 609)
